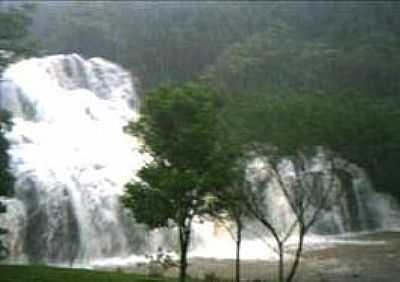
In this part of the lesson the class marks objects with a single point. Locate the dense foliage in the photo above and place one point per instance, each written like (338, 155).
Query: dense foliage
(14, 34)
(279, 60)
(180, 133)
(360, 128)
(175, 41)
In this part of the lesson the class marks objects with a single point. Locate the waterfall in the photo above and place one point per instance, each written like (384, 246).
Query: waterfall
(71, 159)
(70, 155)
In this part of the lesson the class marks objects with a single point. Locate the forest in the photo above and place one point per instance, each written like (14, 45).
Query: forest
(243, 49)
(232, 101)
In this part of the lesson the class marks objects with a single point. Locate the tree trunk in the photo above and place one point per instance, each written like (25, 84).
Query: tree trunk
(184, 239)
(238, 243)
(298, 256)
(281, 261)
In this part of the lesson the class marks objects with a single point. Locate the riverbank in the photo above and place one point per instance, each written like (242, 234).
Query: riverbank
(364, 258)
(373, 257)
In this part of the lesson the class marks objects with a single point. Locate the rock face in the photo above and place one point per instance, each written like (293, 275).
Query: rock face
(71, 160)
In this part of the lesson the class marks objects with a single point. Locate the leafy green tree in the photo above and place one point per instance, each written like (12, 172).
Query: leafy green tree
(179, 130)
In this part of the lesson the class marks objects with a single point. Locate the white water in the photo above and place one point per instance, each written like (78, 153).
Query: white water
(69, 153)
(71, 159)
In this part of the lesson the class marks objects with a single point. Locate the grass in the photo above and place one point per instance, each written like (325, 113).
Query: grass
(22, 273)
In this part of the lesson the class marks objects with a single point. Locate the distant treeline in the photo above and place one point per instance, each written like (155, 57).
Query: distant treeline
(177, 41)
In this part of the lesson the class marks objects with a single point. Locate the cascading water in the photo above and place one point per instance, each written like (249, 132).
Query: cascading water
(71, 160)
(70, 155)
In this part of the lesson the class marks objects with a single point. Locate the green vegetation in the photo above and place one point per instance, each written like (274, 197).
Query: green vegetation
(179, 130)
(15, 41)
(176, 41)
(16, 273)
(359, 128)
(279, 60)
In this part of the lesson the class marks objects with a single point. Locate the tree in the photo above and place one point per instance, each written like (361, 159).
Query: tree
(230, 205)
(179, 130)
(308, 191)
(286, 132)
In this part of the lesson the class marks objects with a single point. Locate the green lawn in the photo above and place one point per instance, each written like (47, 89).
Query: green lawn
(19, 273)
